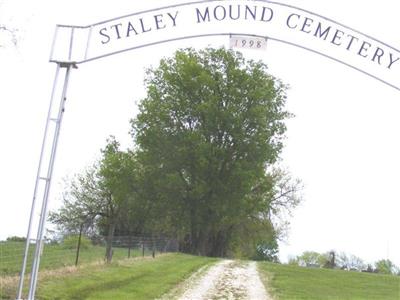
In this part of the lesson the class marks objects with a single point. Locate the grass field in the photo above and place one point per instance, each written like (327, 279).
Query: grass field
(146, 278)
(54, 256)
(292, 282)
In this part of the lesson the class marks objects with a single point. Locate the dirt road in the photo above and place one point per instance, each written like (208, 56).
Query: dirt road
(227, 279)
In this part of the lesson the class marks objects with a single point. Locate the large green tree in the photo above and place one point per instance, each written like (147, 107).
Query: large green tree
(102, 196)
(212, 122)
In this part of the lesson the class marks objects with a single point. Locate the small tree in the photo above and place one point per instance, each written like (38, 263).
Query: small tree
(267, 251)
(98, 197)
(350, 262)
(80, 206)
(385, 266)
(116, 172)
(311, 258)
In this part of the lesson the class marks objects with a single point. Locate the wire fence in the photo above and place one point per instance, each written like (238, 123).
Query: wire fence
(70, 252)
(67, 253)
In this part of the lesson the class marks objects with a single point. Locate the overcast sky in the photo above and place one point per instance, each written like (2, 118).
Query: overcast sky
(343, 142)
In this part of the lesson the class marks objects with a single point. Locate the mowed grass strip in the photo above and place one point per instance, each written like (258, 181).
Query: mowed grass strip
(293, 282)
(146, 278)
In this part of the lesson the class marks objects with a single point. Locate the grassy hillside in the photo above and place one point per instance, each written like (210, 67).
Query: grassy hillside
(148, 278)
(292, 282)
(130, 279)
(141, 278)
(55, 259)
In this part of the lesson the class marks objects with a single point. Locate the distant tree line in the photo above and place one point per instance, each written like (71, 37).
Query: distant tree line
(204, 168)
(343, 261)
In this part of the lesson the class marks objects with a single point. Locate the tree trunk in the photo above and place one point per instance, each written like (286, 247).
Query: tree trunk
(203, 243)
(109, 241)
(193, 240)
(218, 244)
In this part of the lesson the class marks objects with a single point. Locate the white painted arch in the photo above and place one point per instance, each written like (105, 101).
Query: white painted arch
(274, 21)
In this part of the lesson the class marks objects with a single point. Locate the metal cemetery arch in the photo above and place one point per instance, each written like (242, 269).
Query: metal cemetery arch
(262, 20)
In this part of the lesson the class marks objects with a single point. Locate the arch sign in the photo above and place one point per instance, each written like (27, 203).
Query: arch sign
(248, 23)
(260, 18)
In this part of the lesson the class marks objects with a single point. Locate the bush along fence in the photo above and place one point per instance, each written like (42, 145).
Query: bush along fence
(74, 251)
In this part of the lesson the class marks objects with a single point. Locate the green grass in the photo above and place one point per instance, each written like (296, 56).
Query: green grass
(129, 279)
(150, 278)
(54, 256)
(292, 282)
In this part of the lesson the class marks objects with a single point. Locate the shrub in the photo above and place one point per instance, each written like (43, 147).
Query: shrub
(16, 239)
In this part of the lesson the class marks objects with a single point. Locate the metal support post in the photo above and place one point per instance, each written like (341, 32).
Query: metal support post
(38, 178)
(47, 181)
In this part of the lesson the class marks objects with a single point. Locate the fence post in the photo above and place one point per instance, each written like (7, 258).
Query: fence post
(79, 245)
(142, 248)
(129, 246)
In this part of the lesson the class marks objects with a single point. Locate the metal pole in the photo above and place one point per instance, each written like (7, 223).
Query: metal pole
(28, 235)
(43, 214)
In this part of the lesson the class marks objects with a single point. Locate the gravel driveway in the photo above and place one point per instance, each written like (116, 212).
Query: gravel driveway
(226, 280)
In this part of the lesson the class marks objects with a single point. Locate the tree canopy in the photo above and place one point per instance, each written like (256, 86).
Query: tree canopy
(208, 137)
(99, 198)
(212, 122)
